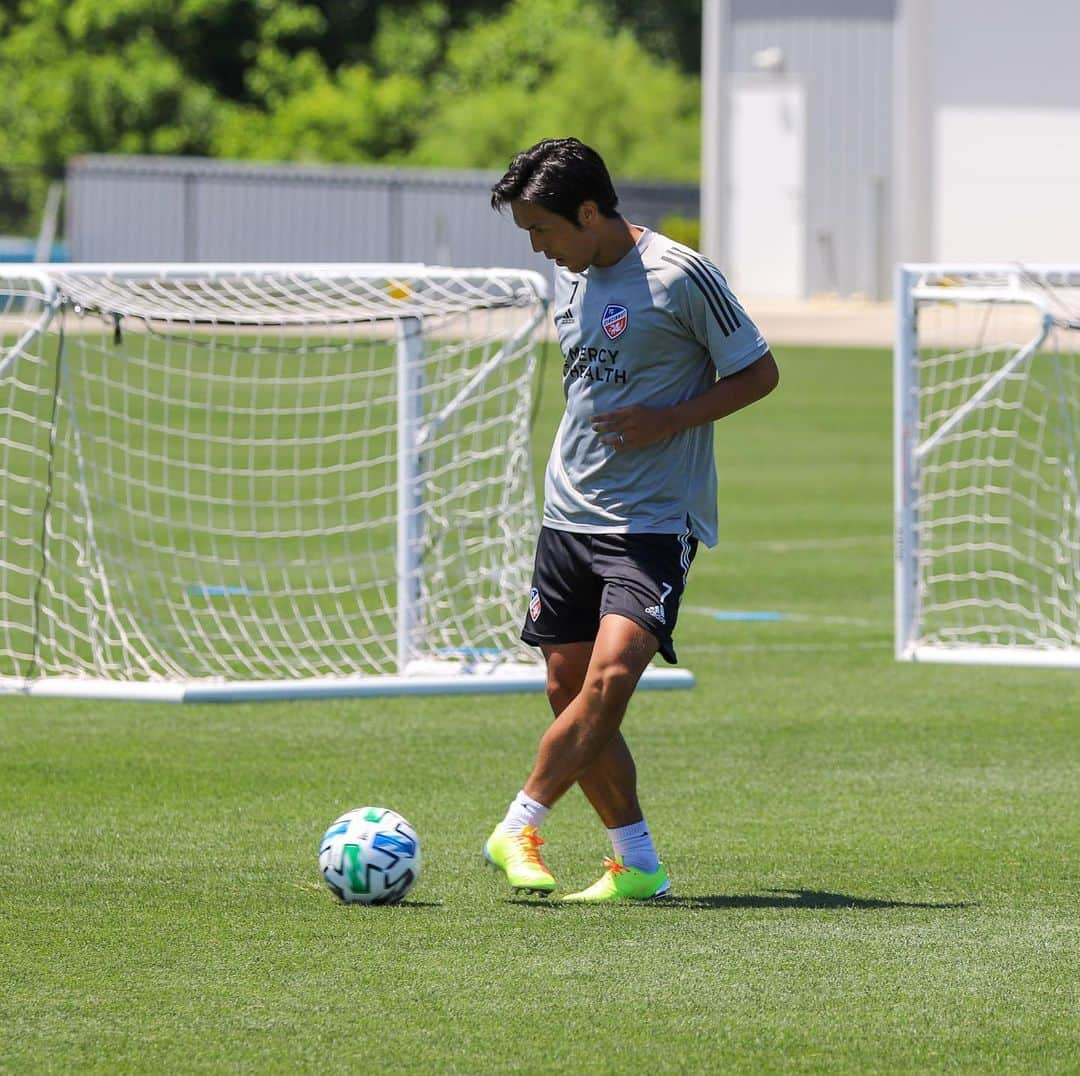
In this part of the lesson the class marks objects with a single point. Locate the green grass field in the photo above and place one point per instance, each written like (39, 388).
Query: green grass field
(875, 864)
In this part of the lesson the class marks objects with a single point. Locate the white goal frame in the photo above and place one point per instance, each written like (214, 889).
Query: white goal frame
(519, 297)
(1022, 326)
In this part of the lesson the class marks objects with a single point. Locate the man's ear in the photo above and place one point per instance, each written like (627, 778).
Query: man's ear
(587, 213)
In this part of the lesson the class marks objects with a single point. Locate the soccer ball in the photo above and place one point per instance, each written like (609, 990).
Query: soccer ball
(370, 855)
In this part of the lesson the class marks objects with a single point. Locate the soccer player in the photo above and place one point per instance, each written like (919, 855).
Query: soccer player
(655, 348)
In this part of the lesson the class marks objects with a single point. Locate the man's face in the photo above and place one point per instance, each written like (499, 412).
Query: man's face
(555, 237)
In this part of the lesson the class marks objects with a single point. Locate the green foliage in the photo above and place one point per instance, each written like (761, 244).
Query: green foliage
(423, 81)
(131, 98)
(22, 198)
(685, 230)
(522, 77)
(348, 116)
(410, 42)
(672, 28)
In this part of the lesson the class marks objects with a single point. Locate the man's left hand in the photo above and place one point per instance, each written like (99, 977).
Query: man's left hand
(632, 427)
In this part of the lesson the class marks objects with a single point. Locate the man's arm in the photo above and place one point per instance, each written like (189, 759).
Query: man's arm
(636, 427)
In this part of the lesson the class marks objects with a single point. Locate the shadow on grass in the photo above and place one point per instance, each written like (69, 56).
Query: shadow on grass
(403, 905)
(801, 898)
(771, 898)
(324, 893)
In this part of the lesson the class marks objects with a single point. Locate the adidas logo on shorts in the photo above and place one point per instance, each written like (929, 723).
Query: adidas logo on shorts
(656, 612)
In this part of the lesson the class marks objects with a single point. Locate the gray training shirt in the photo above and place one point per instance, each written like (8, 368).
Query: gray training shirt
(655, 329)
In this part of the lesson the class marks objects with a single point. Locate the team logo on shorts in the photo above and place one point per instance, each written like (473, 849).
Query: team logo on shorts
(614, 320)
(534, 604)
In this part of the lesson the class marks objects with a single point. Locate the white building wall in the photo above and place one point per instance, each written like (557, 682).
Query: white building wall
(935, 130)
(1005, 130)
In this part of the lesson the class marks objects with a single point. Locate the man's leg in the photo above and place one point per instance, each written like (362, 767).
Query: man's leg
(610, 783)
(589, 723)
(589, 687)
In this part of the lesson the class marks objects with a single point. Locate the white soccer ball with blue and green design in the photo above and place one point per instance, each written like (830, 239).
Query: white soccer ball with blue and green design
(370, 855)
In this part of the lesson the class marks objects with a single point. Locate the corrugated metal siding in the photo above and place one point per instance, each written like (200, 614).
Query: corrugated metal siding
(148, 218)
(846, 65)
(244, 218)
(153, 209)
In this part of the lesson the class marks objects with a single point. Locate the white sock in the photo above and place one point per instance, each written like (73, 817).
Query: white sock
(635, 846)
(524, 811)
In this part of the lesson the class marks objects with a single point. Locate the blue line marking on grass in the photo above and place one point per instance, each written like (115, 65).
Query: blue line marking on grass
(470, 651)
(218, 592)
(747, 614)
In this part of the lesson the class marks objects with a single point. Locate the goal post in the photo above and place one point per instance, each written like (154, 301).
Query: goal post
(228, 482)
(987, 464)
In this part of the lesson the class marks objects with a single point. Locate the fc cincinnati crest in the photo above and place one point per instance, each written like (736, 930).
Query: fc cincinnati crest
(614, 320)
(534, 604)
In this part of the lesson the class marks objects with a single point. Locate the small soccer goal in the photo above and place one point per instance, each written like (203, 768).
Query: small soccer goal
(237, 482)
(987, 453)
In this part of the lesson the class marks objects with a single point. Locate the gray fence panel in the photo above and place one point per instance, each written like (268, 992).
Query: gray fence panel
(650, 203)
(139, 219)
(184, 209)
(236, 219)
(451, 224)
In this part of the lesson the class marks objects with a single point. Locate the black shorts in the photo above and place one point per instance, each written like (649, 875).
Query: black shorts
(578, 578)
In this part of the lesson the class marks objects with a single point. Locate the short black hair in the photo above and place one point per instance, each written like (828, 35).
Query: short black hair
(558, 174)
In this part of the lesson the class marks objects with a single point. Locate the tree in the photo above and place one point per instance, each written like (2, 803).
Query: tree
(348, 116)
(549, 68)
(425, 81)
(672, 28)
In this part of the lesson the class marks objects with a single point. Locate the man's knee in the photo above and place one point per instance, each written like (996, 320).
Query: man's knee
(605, 689)
(561, 693)
(609, 686)
(565, 677)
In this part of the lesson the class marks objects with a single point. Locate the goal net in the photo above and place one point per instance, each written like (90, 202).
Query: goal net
(222, 482)
(987, 452)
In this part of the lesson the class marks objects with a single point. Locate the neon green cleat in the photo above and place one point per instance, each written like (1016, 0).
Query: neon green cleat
(517, 855)
(620, 882)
